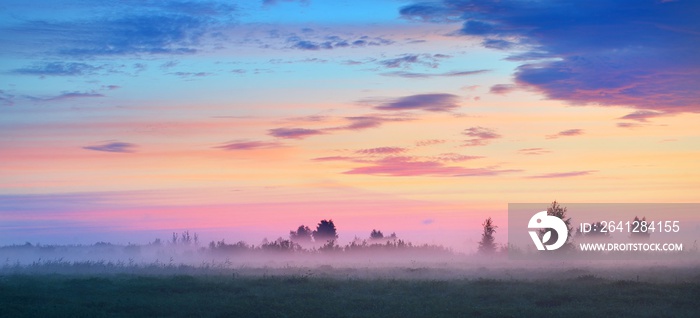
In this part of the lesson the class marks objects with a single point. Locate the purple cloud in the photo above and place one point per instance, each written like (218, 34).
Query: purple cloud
(482, 136)
(502, 89)
(429, 142)
(430, 75)
(366, 122)
(65, 96)
(382, 151)
(429, 102)
(113, 146)
(334, 158)
(330, 42)
(249, 145)
(192, 74)
(407, 60)
(406, 167)
(563, 174)
(533, 151)
(642, 115)
(640, 54)
(566, 133)
(628, 125)
(455, 157)
(294, 133)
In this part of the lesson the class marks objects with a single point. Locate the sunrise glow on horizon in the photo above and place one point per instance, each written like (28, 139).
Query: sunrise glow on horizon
(127, 121)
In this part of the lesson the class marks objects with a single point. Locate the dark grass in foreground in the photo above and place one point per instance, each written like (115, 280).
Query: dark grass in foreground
(299, 296)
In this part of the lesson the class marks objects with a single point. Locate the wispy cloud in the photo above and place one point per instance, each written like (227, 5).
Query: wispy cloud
(642, 115)
(502, 89)
(430, 142)
(366, 122)
(428, 102)
(249, 145)
(481, 136)
(533, 151)
(628, 125)
(334, 158)
(57, 69)
(6, 99)
(191, 74)
(113, 146)
(330, 42)
(354, 123)
(616, 53)
(406, 61)
(127, 28)
(406, 167)
(294, 133)
(382, 151)
(65, 96)
(563, 174)
(405, 74)
(455, 157)
(566, 133)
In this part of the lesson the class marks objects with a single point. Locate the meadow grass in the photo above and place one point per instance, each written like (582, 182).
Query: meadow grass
(130, 295)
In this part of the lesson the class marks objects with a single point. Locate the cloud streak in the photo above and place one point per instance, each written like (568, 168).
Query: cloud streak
(57, 69)
(566, 133)
(481, 136)
(406, 167)
(563, 174)
(382, 151)
(294, 133)
(249, 145)
(432, 75)
(113, 146)
(427, 102)
(533, 151)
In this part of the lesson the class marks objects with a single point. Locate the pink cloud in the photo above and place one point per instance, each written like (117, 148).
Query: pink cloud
(642, 115)
(533, 151)
(294, 133)
(502, 89)
(428, 102)
(249, 145)
(628, 125)
(482, 136)
(455, 157)
(113, 146)
(563, 174)
(405, 166)
(566, 133)
(429, 142)
(381, 151)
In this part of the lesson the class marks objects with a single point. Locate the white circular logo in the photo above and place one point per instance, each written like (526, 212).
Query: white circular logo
(543, 221)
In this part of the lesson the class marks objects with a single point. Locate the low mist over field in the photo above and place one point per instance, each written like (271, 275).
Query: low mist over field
(386, 260)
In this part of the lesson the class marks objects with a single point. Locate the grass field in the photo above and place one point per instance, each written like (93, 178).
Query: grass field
(132, 295)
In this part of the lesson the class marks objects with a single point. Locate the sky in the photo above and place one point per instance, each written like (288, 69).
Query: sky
(124, 121)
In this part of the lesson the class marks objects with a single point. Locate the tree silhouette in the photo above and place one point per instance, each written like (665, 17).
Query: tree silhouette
(557, 210)
(301, 235)
(376, 235)
(487, 245)
(325, 231)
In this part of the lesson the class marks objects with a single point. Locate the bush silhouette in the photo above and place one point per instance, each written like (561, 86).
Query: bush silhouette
(301, 235)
